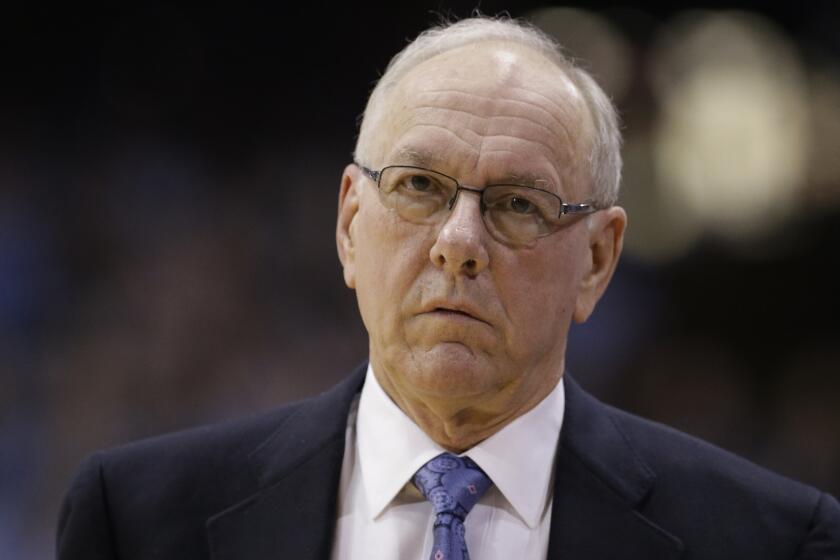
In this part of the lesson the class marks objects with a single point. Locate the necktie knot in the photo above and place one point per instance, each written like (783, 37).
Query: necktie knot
(453, 485)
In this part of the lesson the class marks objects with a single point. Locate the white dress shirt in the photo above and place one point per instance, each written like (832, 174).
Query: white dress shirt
(382, 516)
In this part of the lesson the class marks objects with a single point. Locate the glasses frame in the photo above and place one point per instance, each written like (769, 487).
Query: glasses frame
(578, 208)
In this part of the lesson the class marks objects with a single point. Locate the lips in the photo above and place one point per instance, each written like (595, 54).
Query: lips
(454, 310)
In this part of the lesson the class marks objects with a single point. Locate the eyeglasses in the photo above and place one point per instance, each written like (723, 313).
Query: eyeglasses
(513, 214)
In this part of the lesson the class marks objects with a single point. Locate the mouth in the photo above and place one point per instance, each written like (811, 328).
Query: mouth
(455, 313)
(447, 311)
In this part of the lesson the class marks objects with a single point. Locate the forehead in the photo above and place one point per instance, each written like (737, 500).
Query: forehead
(487, 109)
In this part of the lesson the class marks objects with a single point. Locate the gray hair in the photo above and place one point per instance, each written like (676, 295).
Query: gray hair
(604, 158)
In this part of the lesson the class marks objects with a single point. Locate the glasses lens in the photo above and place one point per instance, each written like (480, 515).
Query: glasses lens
(418, 195)
(520, 214)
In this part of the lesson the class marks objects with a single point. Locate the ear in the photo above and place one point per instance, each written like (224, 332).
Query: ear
(606, 238)
(348, 207)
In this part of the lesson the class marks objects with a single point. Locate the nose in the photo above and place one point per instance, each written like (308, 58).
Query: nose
(460, 245)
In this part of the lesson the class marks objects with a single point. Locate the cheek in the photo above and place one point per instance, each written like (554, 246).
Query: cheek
(539, 294)
(388, 262)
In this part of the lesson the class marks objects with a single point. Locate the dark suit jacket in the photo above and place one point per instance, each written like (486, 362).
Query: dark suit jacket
(266, 488)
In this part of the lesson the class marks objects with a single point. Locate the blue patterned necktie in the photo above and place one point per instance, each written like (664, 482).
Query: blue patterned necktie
(453, 484)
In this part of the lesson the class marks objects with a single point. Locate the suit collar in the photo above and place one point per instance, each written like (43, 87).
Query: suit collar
(591, 434)
(600, 484)
(297, 469)
(316, 422)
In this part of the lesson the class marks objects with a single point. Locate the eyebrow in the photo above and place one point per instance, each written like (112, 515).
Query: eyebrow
(525, 180)
(431, 160)
(420, 158)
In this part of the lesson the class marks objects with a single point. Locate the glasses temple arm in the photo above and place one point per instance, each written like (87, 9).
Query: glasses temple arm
(370, 172)
(582, 208)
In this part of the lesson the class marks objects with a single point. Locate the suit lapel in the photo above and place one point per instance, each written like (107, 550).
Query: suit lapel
(298, 469)
(599, 483)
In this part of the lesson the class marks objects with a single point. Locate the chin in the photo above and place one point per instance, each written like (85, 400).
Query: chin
(453, 370)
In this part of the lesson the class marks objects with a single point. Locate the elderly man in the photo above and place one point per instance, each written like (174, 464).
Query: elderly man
(477, 222)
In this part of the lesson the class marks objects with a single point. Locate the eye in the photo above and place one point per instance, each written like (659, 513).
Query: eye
(417, 184)
(520, 205)
(421, 183)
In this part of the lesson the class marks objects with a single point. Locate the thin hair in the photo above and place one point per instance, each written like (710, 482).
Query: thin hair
(604, 157)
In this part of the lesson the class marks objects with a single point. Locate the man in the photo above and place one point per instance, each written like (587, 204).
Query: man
(477, 222)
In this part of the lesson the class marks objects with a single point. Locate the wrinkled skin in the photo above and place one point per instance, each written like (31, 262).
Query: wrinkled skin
(467, 333)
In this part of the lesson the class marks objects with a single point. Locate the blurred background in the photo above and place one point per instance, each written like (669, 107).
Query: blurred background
(168, 184)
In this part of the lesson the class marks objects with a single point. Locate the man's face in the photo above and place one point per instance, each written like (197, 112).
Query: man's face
(454, 315)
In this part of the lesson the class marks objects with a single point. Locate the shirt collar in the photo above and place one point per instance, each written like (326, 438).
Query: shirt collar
(519, 458)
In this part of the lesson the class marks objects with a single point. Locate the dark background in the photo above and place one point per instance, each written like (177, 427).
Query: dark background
(168, 184)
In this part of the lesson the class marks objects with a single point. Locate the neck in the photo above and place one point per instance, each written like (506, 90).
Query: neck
(457, 424)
